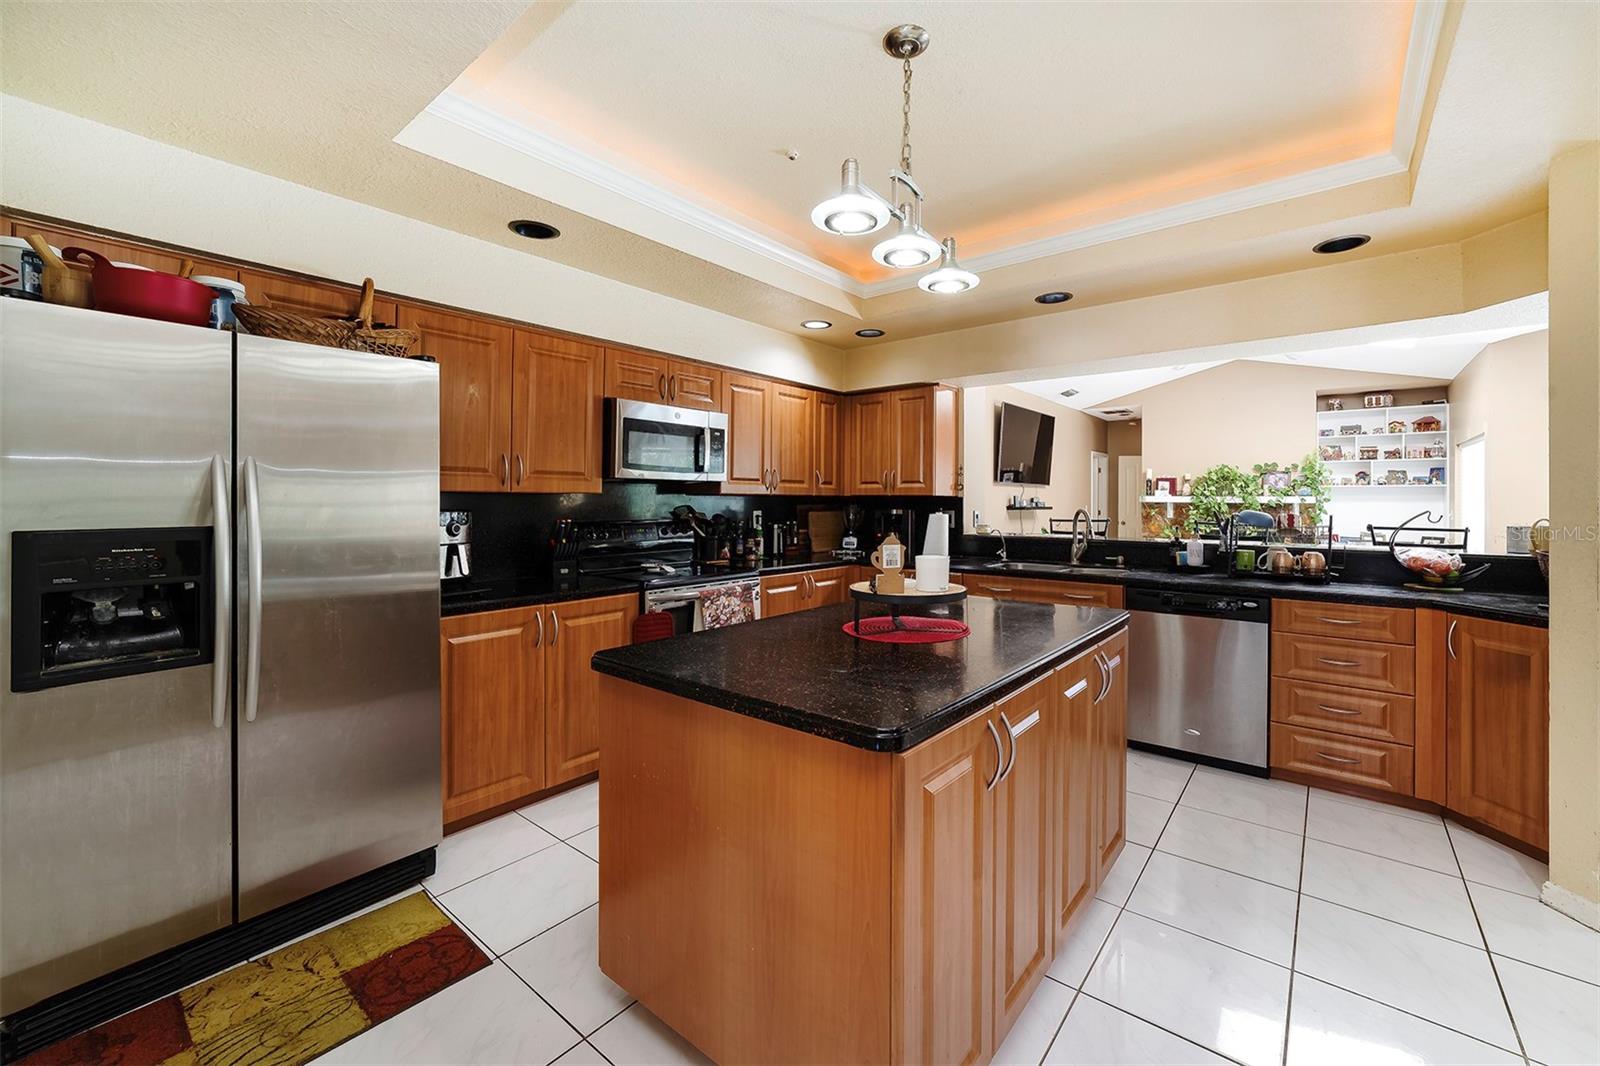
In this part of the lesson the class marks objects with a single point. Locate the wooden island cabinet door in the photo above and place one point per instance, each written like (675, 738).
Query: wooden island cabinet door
(1110, 747)
(475, 358)
(573, 633)
(943, 888)
(557, 410)
(1497, 715)
(1024, 928)
(747, 401)
(1072, 741)
(492, 686)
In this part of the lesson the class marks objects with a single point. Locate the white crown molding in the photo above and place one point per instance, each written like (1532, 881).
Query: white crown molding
(1427, 22)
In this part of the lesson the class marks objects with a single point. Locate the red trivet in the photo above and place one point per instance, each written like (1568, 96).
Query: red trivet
(911, 630)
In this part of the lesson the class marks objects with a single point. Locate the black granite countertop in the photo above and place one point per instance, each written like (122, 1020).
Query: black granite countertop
(803, 672)
(1522, 608)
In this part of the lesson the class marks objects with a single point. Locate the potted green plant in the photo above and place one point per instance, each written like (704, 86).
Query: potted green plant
(1218, 491)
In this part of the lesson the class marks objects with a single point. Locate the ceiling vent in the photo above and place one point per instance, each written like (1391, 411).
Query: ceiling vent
(1117, 412)
(1069, 393)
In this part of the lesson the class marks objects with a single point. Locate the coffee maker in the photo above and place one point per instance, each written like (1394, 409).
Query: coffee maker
(900, 521)
(455, 544)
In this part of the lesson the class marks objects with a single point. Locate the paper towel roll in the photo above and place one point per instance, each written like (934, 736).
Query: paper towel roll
(937, 539)
(933, 573)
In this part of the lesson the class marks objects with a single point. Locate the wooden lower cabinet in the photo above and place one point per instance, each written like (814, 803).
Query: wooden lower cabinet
(1350, 760)
(1024, 925)
(1072, 746)
(1042, 590)
(519, 703)
(1108, 744)
(783, 594)
(1498, 726)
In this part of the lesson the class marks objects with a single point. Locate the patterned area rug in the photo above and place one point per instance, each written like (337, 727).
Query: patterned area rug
(291, 1006)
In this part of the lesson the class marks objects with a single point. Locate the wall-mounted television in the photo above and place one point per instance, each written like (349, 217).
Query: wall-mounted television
(1022, 443)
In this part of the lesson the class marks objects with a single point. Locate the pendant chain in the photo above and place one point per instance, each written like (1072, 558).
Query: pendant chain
(905, 121)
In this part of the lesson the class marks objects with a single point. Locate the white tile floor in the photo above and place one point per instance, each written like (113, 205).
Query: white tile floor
(1255, 921)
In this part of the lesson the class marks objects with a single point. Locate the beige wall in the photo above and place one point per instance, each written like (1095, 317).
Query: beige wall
(1122, 438)
(107, 177)
(1077, 434)
(1575, 559)
(1241, 413)
(1503, 394)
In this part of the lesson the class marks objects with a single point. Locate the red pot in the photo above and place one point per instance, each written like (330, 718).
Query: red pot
(145, 293)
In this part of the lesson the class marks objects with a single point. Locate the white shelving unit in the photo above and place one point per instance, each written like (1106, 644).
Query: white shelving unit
(1378, 501)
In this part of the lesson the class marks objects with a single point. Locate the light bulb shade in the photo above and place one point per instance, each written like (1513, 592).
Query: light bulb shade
(951, 277)
(854, 211)
(909, 247)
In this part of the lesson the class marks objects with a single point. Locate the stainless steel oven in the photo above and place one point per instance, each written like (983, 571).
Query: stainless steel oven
(658, 442)
(686, 603)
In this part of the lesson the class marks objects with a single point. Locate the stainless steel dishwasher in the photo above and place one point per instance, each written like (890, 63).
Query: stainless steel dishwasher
(1200, 687)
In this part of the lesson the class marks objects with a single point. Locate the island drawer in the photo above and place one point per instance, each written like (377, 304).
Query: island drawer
(1352, 663)
(1389, 625)
(1353, 761)
(1376, 715)
(1043, 590)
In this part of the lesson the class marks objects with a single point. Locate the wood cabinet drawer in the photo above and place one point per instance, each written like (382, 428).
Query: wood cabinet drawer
(1353, 663)
(1376, 715)
(1390, 625)
(1043, 590)
(1354, 761)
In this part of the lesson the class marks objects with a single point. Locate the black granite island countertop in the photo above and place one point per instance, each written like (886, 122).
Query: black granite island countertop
(803, 672)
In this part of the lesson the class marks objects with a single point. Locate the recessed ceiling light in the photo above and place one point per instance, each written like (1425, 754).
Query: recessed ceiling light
(1052, 297)
(816, 323)
(534, 231)
(1335, 245)
(869, 333)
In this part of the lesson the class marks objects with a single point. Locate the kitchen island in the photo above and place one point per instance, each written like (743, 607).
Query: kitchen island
(817, 849)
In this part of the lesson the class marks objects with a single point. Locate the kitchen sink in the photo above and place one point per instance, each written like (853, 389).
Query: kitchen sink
(1026, 568)
(1097, 566)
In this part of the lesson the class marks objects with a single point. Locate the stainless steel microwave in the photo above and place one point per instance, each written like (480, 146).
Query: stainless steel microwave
(658, 442)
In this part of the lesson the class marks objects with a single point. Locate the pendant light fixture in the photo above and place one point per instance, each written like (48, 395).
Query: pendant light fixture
(858, 210)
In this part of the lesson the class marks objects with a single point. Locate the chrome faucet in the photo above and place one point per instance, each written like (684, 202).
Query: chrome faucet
(1081, 536)
(1002, 551)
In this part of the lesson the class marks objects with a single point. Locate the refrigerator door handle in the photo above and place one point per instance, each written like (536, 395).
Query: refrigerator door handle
(222, 590)
(252, 652)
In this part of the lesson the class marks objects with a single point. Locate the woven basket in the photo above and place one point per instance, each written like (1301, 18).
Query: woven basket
(1539, 538)
(357, 334)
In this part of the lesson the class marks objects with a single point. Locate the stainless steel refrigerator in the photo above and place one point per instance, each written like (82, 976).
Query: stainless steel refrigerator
(219, 687)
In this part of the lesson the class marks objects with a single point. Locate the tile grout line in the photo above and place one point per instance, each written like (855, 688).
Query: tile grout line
(1153, 1025)
(1516, 1030)
(1294, 940)
(554, 840)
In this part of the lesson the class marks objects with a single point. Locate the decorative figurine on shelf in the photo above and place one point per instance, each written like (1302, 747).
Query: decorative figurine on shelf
(1336, 404)
(1149, 482)
(1186, 486)
(1396, 426)
(1363, 478)
(1426, 424)
(890, 559)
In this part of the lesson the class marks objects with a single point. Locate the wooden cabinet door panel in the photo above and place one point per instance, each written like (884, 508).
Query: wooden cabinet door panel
(792, 452)
(1353, 663)
(492, 701)
(574, 632)
(1360, 761)
(1354, 712)
(693, 385)
(1072, 740)
(943, 877)
(830, 586)
(783, 594)
(557, 409)
(1111, 754)
(1348, 621)
(747, 401)
(317, 299)
(637, 375)
(911, 442)
(825, 440)
(1497, 689)
(475, 359)
(869, 451)
(1024, 928)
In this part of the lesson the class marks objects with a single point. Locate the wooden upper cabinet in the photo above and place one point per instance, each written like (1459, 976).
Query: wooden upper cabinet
(557, 412)
(634, 375)
(944, 877)
(1072, 739)
(491, 681)
(1024, 928)
(574, 632)
(1110, 747)
(869, 447)
(925, 439)
(793, 415)
(1497, 692)
(694, 385)
(321, 300)
(825, 441)
(475, 358)
(747, 402)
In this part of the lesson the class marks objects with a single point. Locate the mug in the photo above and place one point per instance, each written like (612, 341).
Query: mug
(1244, 559)
(1313, 563)
(1277, 561)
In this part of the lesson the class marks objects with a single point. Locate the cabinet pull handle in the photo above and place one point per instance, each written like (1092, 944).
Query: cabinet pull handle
(1338, 662)
(1016, 732)
(1105, 677)
(1073, 692)
(999, 756)
(996, 588)
(672, 388)
(505, 469)
(1112, 664)
(1336, 710)
(555, 624)
(894, 476)
(1450, 638)
(1339, 621)
(520, 468)
(818, 471)
(1339, 759)
(1075, 596)
(661, 386)
(1011, 731)
(539, 617)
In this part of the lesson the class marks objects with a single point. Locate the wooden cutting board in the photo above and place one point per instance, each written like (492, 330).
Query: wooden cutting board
(826, 529)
